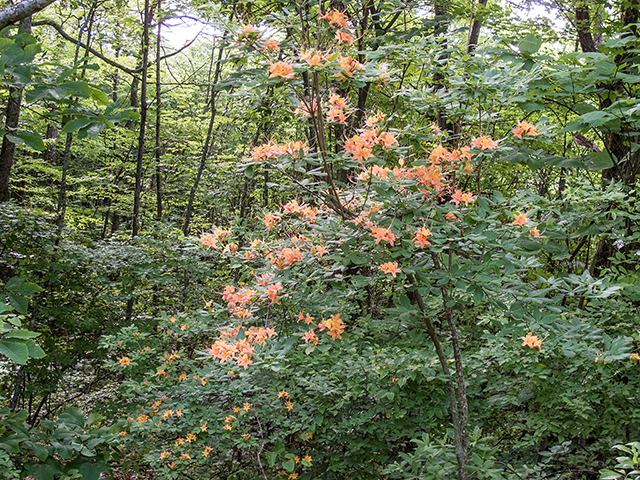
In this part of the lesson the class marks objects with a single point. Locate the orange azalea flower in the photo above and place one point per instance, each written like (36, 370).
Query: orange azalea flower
(385, 234)
(310, 336)
(289, 405)
(185, 456)
(270, 221)
(142, 418)
(520, 219)
(244, 361)
(246, 436)
(168, 414)
(534, 232)
(283, 394)
(125, 361)
(459, 197)
(452, 216)
(318, 250)
(270, 45)
(203, 427)
(308, 319)
(387, 140)
(282, 70)
(371, 121)
(525, 128)
(421, 236)
(307, 459)
(207, 451)
(164, 455)
(531, 341)
(344, 37)
(337, 115)
(336, 18)
(313, 59)
(390, 267)
(484, 143)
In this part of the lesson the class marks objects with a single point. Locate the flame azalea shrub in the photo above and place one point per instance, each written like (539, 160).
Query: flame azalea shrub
(330, 354)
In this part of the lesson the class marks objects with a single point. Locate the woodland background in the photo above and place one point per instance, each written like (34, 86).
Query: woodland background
(131, 208)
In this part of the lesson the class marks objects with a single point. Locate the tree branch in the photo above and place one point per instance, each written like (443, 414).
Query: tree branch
(108, 61)
(22, 10)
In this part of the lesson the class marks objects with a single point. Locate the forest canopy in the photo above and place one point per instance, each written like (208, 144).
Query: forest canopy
(320, 240)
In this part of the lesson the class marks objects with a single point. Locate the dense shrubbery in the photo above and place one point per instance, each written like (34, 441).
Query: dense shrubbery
(415, 300)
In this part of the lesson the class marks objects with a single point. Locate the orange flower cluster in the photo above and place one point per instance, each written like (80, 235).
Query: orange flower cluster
(336, 111)
(520, 219)
(270, 45)
(361, 146)
(334, 325)
(293, 207)
(281, 70)
(350, 66)
(336, 19)
(525, 128)
(430, 177)
(314, 58)
(310, 336)
(273, 150)
(239, 350)
(484, 142)
(420, 237)
(125, 361)
(285, 257)
(390, 267)
(270, 220)
(211, 240)
(248, 33)
(383, 234)
(344, 37)
(531, 341)
(459, 197)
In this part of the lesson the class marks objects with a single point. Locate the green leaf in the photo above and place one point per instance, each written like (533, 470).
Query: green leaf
(248, 172)
(18, 302)
(21, 334)
(75, 124)
(72, 416)
(35, 351)
(38, 450)
(22, 287)
(15, 350)
(599, 161)
(530, 44)
(289, 465)
(30, 139)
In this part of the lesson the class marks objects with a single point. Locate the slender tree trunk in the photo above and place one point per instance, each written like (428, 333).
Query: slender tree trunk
(143, 121)
(474, 28)
(158, 144)
(12, 118)
(207, 143)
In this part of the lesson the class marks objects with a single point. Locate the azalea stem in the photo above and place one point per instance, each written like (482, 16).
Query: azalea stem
(459, 430)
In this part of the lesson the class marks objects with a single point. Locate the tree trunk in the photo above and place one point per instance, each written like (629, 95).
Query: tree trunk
(158, 144)
(12, 118)
(22, 11)
(474, 28)
(143, 121)
(207, 142)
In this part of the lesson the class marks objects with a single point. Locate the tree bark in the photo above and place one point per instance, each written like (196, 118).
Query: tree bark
(143, 121)
(158, 142)
(474, 29)
(22, 11)
(12, 118)
(207, 143)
